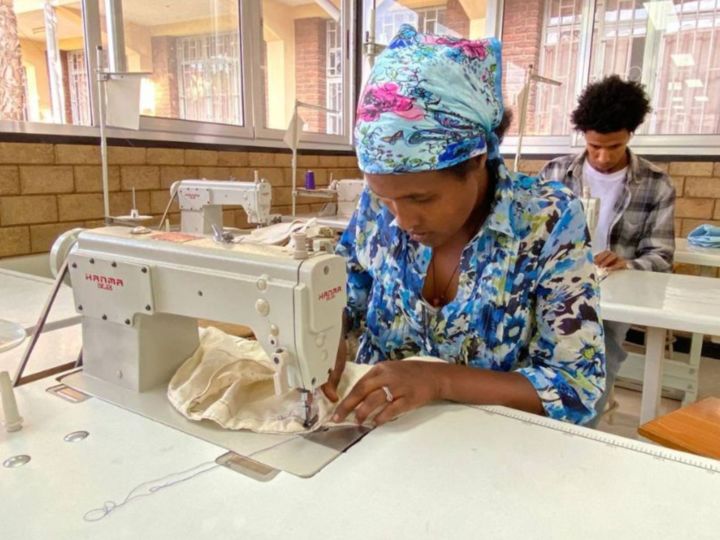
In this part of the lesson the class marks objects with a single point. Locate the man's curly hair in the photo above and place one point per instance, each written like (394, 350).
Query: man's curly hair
(611, 105)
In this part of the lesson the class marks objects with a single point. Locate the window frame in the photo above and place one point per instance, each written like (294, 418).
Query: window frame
(661, 145)
(262, 132)
(251, 134)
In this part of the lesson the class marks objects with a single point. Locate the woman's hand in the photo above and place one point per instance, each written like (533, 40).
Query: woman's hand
(331, 386)
(410, 384)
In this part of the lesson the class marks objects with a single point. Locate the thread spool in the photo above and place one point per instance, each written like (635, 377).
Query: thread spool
(309, 180)
(13, 420)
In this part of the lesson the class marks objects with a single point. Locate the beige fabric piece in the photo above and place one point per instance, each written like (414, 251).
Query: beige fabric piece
(279, 234)
(229, 380)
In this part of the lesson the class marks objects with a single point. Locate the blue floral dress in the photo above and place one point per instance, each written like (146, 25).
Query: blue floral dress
(527, 297)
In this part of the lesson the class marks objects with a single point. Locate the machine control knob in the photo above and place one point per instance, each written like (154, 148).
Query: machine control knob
(274, 330)
(320, 340)
(262, 283)
(262, 307)
(299, 242)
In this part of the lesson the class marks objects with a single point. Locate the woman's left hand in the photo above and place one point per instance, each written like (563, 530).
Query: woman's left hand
(390, 389)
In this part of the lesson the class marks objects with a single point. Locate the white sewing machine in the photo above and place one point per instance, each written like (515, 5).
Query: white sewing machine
(348, 195)
(343, 194)
(201, 202)
(140, 297)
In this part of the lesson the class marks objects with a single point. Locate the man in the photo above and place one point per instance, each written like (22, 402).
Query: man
(635, 226)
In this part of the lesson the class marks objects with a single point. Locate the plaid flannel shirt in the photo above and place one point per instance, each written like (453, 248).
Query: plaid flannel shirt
(643, 230)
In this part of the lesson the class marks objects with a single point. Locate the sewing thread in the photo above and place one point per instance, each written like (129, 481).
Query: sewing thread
(96, 514)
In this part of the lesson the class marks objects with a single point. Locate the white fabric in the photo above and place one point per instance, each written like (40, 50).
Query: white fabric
(229, 380)
(607, 188)
(279, 234)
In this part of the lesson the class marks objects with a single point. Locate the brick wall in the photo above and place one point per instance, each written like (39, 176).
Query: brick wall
(164, 76)
(697, 185)
(522, 33)
(456, 19)
(46, 189)
(310, 69)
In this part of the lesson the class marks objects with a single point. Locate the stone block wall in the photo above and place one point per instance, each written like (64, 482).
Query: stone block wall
(46, 189)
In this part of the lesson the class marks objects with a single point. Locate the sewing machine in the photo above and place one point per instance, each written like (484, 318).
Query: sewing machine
(348, 195)
(344, 196)
(201, 202)
(140, 297)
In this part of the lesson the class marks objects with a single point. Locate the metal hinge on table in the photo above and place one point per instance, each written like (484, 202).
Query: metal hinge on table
(63, 391)
(247, 466)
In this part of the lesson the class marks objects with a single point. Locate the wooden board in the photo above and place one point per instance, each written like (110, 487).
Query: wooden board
(695, 428)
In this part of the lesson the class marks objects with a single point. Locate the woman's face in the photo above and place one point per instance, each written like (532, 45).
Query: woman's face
(433, 206)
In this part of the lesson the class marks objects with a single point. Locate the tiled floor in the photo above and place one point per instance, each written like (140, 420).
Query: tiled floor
(625, 419)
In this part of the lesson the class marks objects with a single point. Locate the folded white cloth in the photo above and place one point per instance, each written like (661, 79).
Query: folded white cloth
(279, 234)
(229, 380)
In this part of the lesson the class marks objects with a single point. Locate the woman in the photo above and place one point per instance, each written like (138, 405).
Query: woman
(452, 258)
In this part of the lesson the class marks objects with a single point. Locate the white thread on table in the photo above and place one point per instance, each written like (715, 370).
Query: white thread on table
(96, 514)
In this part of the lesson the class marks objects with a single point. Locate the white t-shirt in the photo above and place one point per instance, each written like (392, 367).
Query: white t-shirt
(607, 188)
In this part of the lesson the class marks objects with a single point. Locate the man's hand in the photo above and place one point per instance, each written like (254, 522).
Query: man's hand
(411, 384)
(610, 261)
(331, 386)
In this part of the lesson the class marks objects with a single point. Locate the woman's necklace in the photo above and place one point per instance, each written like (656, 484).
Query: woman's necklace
(441, 299)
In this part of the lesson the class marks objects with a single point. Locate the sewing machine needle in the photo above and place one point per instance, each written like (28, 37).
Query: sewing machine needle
(311, 416)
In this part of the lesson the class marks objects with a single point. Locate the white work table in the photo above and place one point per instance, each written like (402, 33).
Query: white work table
(22, 297)
(679, 373)
(445, 471)
(54, 348)
(707, 258)
(661, 302)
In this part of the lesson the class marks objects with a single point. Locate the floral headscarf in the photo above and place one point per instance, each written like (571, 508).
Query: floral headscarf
(430, 102)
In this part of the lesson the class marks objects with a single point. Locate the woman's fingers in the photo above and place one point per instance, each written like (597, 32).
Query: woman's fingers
(374, 401)
(330, 388)
(369, 383)
(392, 411)
(389, 389)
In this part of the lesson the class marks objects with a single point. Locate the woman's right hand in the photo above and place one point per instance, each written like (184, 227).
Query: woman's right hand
(331, 386)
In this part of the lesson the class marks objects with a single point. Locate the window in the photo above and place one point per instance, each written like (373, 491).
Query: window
(208, 78)
(44, 73)
(546, 35)
(459, 18)
(303, 61)
(78, 86)
(218, 71)
(424, 19)
(673, 48)
(453, 17)
(670, 46)
(192, 50)
(333, 78)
